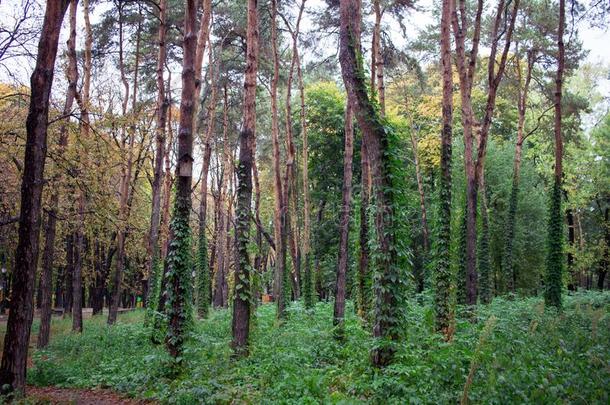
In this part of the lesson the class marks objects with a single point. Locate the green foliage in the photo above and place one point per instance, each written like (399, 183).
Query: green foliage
(529, 356)
(555, 256)
(179, 289)
(203, 276)
(461, 264)
(508, 267)
(154, 289)
(485, 276)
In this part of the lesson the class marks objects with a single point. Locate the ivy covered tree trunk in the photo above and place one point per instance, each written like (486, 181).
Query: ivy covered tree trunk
(179, 261)
(389, 284)
(50, 231)
(443, 278)
(346, 197)
(17, 337)
(554, 261)
(242, 295)
(364, 278)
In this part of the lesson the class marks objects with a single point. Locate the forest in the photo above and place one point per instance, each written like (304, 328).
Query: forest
(304, 201)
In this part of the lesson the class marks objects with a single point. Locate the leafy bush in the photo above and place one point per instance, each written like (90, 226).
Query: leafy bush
(529, 355)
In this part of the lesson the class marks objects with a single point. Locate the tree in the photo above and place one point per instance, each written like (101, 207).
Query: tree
(16, 340)
(443, 279)
(466, 65)
(554, 262)
(346, 196)
(161, 123)
(51, 224)
(179, 259)
(388, 280)
(242, 294)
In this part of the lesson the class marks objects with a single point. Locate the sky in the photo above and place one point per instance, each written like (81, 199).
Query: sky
(596, 41)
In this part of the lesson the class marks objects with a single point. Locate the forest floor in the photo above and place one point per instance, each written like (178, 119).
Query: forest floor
(516, 352)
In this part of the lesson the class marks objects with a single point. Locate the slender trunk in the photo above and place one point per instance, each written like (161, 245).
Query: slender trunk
(422, 194)
(77, 308)
(346, 196)
(378, 143)
(378, 59)
(484, 260)
(308, 279)
(317, 267)
(17, 337)
(203, 277)
(161, 122)
(507, 258)
(554, 263)
(279, 207)
(242, 296)
(51, 224)
(443, 278)
(223, 209)
(178, 258)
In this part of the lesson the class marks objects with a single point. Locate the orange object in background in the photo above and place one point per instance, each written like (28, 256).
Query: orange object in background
(267, 298)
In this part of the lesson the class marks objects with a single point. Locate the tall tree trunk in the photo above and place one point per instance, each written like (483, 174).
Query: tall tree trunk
(204, 277)
(223, 209)
(377, 140)
(443, 278)
(554, 262)
(507, 258)
(346, 197)
(279, 206)
(308, 275)
(420, 189)
(242, 296)
(161, 122)
(126, 173)
(51, 224)
(77, 308)
(17, 337)
(474, 167)
(179, 255)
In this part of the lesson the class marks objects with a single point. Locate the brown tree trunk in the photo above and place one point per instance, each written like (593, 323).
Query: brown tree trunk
(77, 308)
(17, 337)
(346, 197)
(379, 86)
(279, 205)
(179, 266)
(474, 167)
(161, 122)
(242, 296)
(372, 129)
(223, 209)
(126, 175)
(51, 224)
(420, 190)
(443, 279)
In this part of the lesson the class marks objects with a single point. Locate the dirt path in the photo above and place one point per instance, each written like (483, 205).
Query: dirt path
(75, 396)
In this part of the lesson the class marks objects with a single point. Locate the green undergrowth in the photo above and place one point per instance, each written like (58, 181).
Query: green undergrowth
(515, 353)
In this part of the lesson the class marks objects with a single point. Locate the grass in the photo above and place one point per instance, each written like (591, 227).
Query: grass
(524, 355)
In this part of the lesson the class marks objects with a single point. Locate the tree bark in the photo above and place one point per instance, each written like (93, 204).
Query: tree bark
(48, 257)
(346, 196)
(161, 123)
(16, 340)
(377, 140)
(443, 278)
(279, 205)
(242, 297)
(507, 263)
(77, 307)
(555, 258)
(178, 258)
